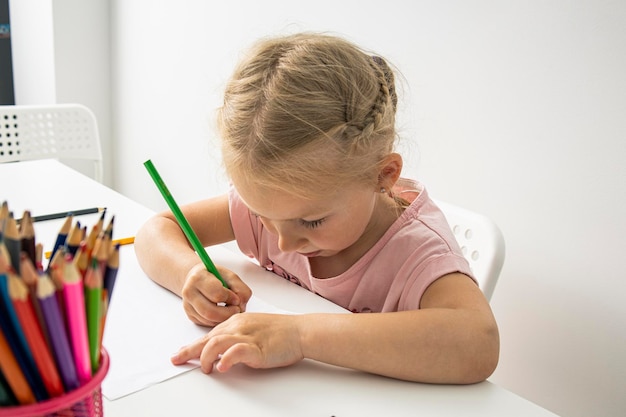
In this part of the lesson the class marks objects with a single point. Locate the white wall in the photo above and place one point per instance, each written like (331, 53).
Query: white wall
(32, 45)
(512, 108)
(61, 54)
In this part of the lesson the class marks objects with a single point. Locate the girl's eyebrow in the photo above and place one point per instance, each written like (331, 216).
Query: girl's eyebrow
(311, 214)
(308, 218)
(303, 219)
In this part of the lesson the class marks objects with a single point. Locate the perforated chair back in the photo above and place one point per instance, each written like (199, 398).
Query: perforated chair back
(58, 131)
(480, 240)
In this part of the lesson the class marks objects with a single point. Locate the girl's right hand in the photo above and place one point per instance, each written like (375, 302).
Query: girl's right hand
(207, 302)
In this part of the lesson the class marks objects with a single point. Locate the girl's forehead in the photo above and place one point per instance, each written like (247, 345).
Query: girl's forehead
(278, 205)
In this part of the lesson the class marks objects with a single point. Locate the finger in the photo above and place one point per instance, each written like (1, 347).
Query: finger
(239, 353)
(209, 287)
(197, 318)
(209, 314)
(190, 351)
(240, 293)
(212, 351)
(207, 303)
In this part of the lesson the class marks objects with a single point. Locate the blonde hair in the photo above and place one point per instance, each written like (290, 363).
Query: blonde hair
(308, 112)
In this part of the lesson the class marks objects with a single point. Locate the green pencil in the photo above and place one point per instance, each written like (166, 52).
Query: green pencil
(182, 221)
(93, 310)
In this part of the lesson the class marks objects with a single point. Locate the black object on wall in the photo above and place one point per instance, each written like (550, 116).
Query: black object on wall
(7, 92)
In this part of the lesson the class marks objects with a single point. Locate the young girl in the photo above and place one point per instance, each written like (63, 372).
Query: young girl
(308, 132)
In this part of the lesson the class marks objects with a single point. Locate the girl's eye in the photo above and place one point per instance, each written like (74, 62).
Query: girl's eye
(312, 224)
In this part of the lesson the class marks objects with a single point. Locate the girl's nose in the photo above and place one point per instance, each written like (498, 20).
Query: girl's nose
(288, 241)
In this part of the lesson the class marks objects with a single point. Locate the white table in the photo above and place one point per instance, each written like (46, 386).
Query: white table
(308, 388)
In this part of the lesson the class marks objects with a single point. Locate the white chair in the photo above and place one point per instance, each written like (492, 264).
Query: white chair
(480, 240)
(57, 131)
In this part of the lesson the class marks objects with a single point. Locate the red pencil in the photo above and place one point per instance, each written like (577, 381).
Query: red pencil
(30, 277)
(34, 336)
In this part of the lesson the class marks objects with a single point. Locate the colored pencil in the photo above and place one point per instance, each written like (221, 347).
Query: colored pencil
(4, 215)
(81, 258)
(4, 212)
(29, 274)
(10, 325)
(59, 341)
(11, 237)
(182, 222)
(109, 229)
(102, 249)
(5, 259)
(122, 241)
(55, 267)
(103, 315)
(39, 257)
(74, 238)
(7, 398)
(110, 273)
(13, 373)
(34, 336)
(93, 306)
(73, 292)
(63, 214)
(27, 236)
(90, 242)
(52, 320)
(30, 277)
(62, 236)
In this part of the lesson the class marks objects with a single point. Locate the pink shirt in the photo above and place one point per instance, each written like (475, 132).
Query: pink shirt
(418, 248)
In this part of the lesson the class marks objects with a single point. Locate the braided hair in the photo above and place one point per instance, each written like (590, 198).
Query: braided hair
(307, 112)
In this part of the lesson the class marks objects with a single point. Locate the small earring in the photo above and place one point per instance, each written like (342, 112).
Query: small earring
(383, 190)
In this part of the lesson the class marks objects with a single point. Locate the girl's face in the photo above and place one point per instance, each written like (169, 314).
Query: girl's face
(349, 220)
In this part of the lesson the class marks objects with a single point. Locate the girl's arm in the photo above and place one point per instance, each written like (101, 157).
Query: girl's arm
(166, 257)
(453, 338)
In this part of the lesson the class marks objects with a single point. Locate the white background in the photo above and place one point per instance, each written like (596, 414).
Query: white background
(516, 109)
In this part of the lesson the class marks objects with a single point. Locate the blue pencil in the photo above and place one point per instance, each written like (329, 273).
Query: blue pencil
(17, 341)
(62, 236)
(110, 273)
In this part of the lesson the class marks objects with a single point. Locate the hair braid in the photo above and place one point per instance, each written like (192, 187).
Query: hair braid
(386, 94)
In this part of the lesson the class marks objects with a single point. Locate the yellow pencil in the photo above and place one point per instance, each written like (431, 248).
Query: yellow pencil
(122, 241)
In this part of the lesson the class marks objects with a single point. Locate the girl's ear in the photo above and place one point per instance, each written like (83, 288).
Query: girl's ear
(391, 168)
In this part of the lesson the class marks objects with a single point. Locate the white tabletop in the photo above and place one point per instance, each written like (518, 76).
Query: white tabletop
(308, 388)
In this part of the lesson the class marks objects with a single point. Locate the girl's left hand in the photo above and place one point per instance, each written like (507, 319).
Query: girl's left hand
(255, 339)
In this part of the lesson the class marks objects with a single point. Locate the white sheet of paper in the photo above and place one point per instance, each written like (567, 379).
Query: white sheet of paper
(146, 325)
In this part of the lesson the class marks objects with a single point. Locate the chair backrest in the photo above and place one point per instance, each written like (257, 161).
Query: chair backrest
(480, 240)
(58, 131)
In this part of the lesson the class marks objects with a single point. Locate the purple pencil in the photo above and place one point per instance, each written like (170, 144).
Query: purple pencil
(46, 294)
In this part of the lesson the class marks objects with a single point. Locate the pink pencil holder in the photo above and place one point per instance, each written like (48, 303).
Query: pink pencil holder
(85, 401)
